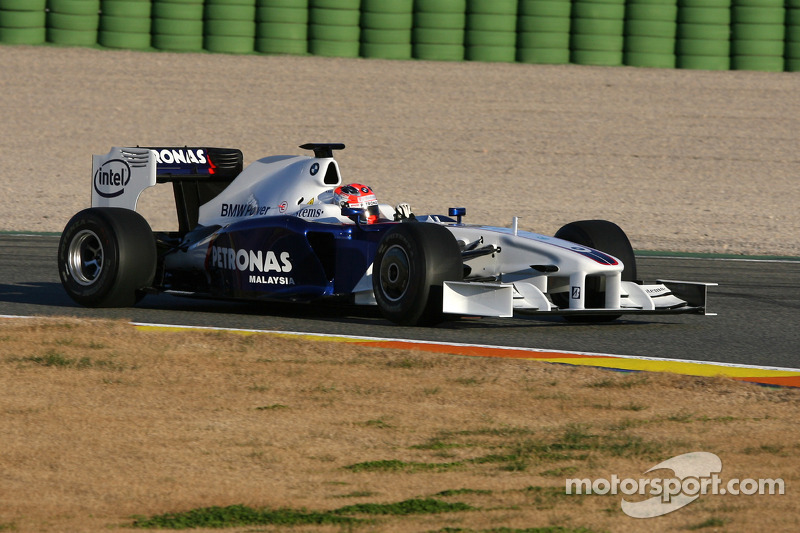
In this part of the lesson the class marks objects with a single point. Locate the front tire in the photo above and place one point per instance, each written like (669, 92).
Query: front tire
(412, 262)
(106, 257)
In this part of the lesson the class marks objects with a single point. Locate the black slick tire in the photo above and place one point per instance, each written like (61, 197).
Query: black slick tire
(107, 257)
(411, 264)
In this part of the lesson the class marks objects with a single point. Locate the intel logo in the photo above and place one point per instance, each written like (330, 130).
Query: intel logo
(111, 178)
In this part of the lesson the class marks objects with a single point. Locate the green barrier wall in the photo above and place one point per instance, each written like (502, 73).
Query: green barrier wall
(689, 34)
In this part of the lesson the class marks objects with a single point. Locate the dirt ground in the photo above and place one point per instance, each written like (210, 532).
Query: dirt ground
(682, 160)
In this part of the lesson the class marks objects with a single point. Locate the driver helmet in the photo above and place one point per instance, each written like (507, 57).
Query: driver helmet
(357, 196)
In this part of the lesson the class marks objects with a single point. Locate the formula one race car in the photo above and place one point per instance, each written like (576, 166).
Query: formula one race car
(287, 228)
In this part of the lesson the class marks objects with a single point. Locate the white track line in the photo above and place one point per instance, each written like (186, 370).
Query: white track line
(454, 344)
(724, 259)
(467, 345)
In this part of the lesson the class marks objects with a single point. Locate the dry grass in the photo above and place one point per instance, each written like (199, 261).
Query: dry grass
(102, 422)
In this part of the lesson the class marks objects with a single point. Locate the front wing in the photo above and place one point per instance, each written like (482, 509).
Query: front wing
(504, 299)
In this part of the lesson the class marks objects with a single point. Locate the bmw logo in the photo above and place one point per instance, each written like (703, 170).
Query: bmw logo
(314, 169)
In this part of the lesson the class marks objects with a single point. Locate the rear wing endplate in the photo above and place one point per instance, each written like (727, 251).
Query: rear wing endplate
(120, 176)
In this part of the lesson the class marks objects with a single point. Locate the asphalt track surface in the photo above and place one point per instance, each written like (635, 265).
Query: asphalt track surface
(756, 302)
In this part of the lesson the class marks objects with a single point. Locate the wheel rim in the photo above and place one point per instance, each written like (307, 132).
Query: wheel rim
(85, 257)
(394, 273)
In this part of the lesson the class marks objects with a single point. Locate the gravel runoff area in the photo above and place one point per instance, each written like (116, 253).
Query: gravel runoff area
(690, 161)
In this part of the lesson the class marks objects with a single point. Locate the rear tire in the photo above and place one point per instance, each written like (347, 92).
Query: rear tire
(412, 262)
(106, 257)
(609, 238)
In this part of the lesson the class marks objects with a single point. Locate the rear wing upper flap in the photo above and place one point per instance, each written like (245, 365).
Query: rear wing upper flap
(197, 163)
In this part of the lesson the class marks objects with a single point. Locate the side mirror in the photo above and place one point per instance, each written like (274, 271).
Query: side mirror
(457, 212)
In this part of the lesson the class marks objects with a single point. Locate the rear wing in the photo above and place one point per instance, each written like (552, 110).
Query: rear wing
(197, 175)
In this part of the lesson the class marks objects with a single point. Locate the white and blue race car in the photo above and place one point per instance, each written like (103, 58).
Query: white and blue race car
(279, 230)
